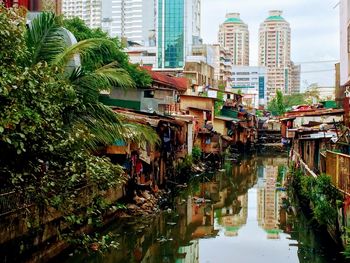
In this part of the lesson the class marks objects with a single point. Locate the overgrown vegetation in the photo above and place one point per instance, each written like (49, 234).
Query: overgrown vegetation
(220, 101)
(51, 122)
(319, 194)
(196, 153)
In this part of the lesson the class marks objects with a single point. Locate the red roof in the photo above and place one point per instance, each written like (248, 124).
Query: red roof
(177, 83)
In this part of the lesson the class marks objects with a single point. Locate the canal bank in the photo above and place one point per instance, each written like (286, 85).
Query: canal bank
(241, 214)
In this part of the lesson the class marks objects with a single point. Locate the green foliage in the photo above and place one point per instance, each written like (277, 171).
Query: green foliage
(185, 165)
(321, 194)
(276, 105)
(196, 153)
(82, 31)
(220, 102)
(49, 120)
(294, 100)
(140, 77)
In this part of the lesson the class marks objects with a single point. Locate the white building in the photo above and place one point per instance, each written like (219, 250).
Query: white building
(134, 20)
(344, 8)
(90, 11)
(234, 35)
(251, 82)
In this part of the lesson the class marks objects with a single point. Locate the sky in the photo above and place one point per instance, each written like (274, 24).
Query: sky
(314, 25)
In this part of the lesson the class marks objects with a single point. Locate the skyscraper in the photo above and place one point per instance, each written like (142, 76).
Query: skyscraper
(274, 52)
(178, 29)
(134, 20)
(234, 35)
(88, 10)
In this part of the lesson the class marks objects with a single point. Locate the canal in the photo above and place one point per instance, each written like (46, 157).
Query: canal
(241, 213)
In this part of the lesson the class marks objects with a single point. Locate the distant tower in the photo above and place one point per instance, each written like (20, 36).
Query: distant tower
(178, 29)
(133, 20)
(234, 35)
(88, 10)
(274, 52)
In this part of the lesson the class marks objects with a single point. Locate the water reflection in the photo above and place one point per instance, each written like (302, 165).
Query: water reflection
(239, 215)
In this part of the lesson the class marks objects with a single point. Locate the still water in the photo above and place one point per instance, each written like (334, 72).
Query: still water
(240, 215)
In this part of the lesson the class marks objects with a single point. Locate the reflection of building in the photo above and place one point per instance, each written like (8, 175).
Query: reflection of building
(90, 11)
(269, 201)
(178, 28)
(234, 35)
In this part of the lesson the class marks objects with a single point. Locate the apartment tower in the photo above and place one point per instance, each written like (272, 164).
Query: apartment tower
(234, 35)
(90, 11)
(134, 20)
(274, 52)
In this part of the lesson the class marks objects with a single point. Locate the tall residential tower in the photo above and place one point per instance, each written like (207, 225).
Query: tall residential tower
(234, 35)
(274, 53)
(88, 10)
(134, 20)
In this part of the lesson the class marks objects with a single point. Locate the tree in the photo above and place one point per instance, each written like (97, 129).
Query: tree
(46, 43)
(294, 100)
(50, 119)
(82, 32)
(220, 102)
(276, 105)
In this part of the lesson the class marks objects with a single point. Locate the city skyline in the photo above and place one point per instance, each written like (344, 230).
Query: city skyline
(303, 48)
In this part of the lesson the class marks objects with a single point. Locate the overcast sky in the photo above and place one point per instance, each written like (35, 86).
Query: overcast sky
(314, 24)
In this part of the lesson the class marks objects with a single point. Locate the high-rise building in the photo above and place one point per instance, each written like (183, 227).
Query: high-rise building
(294, 78)
(178, 29)
(274, 53)
(90, 11)
(234, 35)
(134, 20)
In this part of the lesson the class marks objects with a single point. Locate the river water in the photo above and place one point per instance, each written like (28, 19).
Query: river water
(240, 214)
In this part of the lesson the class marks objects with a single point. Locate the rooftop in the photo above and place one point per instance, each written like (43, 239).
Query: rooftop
(275, 18)
(233, 20)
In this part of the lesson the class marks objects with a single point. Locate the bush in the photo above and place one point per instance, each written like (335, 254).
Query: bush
(196, 153)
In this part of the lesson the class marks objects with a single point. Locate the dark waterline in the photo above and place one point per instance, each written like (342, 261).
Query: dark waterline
(237, 215)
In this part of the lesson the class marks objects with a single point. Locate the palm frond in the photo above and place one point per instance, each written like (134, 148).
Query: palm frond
(140, 133)
(44, 38)
(90, 84)
(85, 49)
(105, 127)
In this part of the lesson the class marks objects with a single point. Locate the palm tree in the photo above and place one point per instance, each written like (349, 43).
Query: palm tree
(46, 43)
